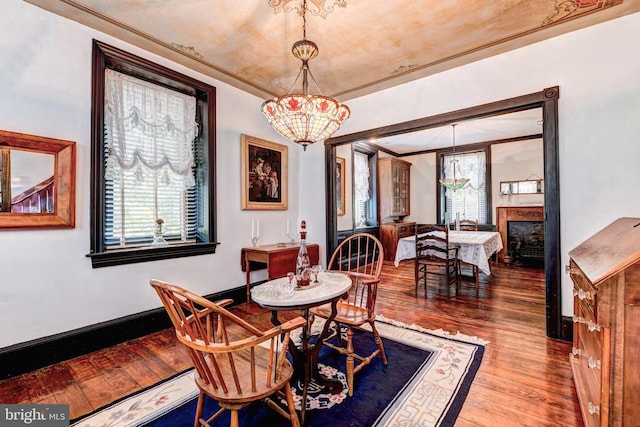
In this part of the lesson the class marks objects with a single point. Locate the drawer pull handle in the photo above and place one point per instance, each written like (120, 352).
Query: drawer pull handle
(593, 409)
(576, 351)
(591, 327)
(582, 294)
(591, 363)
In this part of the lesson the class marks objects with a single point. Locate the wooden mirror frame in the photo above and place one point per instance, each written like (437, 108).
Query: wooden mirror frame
(511, 185)
(64, 183)
(547, 99)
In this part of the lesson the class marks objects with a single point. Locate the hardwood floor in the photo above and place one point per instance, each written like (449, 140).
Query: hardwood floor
(524, 379)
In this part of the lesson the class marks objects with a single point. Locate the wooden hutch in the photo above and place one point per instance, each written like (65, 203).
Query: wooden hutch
(394, 184)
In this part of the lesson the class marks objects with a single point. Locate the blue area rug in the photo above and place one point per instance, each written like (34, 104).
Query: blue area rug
(424, 384)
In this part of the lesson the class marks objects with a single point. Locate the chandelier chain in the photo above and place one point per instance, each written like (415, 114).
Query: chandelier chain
(304, 19)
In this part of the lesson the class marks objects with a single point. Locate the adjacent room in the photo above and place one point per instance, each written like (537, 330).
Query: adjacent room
(319, 212)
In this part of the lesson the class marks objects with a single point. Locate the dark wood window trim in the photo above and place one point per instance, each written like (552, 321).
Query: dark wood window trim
(105, 56)
(484, 147)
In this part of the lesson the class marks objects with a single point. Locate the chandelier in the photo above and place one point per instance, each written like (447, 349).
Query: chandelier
(454, 183)
(300, 117)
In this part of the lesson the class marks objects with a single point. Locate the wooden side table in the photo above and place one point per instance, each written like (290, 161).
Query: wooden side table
(279, 259)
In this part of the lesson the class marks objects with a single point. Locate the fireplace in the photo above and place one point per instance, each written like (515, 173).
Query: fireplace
(525, 242)
(522, 232)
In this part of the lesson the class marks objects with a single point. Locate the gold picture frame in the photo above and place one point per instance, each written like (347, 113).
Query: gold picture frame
(264, 166)
(340, 185)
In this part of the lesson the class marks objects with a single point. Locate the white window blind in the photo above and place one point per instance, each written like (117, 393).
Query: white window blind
(149, 162)
(469, 202)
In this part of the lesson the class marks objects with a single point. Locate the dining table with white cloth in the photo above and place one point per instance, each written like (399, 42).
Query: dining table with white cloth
(475, 247)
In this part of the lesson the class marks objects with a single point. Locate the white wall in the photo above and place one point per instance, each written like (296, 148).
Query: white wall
(597, 69)
(47, 282)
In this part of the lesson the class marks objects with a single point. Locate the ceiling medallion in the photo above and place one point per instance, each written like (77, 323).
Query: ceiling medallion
(317, 8)
(301, 117)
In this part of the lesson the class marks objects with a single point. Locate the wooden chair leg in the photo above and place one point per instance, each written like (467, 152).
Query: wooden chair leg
(350, 360)
(378, 340)
(291, 405)
(234, 419)
(199, 409)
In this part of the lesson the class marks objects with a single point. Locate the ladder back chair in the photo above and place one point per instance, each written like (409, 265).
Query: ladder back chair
(468, 225)
(361, 257)
(235, 363)
(436, 257)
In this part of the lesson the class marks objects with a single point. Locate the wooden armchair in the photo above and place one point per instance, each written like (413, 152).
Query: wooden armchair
(436, 257)
(361, 257)
(235, 363)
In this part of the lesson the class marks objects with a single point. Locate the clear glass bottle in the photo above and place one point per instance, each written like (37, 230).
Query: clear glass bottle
(303, 263)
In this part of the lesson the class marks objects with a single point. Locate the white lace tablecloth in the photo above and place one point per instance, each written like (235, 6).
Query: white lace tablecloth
(476, 247)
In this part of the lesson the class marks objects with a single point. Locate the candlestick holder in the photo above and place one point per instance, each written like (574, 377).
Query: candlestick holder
(292, 237)
(254, 240)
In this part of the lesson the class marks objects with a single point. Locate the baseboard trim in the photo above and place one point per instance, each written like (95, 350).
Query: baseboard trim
(31, 355)
(567, 329)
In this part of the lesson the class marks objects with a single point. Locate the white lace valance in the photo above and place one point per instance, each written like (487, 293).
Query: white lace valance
(361, 177)
(148, 128)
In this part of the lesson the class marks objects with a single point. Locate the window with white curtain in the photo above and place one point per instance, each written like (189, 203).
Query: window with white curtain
(149, 175)
(154, 140)
(470, 202)
(361, 179)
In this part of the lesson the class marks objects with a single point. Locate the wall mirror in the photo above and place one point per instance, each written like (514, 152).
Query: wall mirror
(522, 187)
(37, 182)
(546, 101)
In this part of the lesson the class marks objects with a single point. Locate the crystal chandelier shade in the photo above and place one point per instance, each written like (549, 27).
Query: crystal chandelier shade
(301, 117)
(454, 183)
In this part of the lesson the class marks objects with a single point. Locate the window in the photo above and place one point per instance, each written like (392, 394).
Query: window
(364, 191)
(153, 160)
(469, 202)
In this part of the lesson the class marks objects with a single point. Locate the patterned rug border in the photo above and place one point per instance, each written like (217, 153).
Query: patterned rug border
(438, 332)
(146, 405)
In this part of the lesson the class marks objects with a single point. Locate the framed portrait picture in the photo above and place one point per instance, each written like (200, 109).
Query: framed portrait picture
(340, 189)
(264, 174)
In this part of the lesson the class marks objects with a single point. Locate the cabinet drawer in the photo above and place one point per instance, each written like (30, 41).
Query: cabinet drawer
(591, 348)
(591, 404)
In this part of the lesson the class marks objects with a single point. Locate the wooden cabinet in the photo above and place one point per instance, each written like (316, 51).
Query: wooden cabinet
(390, 233)
(279, 259)
(605, 270)
(394, 188)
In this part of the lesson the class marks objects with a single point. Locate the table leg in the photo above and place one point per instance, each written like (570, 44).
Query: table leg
(247, 268)
(305, 359)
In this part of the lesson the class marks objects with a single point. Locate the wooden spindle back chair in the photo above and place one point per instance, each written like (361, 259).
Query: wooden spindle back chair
(361, 256)
(235, 363)
(436, 257)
